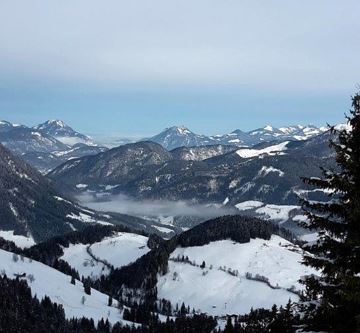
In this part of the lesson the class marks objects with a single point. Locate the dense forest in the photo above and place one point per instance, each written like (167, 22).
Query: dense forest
(20, 312)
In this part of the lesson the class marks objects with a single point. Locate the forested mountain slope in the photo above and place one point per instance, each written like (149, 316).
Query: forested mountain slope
(30, 206)
(268, 172)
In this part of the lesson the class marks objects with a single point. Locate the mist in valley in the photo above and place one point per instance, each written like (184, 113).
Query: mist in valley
(153, 208)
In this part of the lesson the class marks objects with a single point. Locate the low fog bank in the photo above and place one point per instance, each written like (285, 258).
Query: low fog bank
(126, 205)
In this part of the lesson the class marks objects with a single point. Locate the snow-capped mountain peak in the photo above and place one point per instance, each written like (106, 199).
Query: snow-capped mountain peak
(55, 128)
(64, 133)
(182, 130)
(178, 136)
(53, 124)
(269, 128)
(6, 126)
(58, 123)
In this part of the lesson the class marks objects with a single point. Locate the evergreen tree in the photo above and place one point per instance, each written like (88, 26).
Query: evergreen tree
(334, 297)
(183, 309)
(229, 328)
(87, 286)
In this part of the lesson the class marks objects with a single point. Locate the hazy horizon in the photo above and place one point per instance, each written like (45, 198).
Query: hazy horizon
(133, 69)
(106, 136)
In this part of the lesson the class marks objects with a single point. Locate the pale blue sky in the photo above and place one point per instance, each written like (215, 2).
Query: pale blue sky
(132, 68)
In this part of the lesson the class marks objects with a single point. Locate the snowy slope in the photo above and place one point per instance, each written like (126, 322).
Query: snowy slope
(118, 250)
(272, 150)
(209, 289)
(21, 140)
(30, 205)
(19, 240)
(56, 285)
(278, 213)
(64, 133)
(295, 132)
(200, 153)
(48, 145)
(217, 293)
(174, 137)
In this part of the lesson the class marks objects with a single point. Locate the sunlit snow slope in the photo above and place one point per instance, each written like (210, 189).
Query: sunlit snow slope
(215, 291)
(118, 250)
(56, 285)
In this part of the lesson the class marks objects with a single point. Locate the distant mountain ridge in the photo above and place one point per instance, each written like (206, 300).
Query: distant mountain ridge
(47, 145)
(64, 133)
(268, 172)
(175, 137)
(22, 140)
(52, 143)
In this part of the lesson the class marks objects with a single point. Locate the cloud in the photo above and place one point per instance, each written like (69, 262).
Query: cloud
(278, 44)
(125, 205)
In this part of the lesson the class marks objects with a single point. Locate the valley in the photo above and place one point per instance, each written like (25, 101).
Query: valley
(179, 166)
(210, 228)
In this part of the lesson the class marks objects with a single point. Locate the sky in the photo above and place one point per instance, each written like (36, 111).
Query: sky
(133, 68)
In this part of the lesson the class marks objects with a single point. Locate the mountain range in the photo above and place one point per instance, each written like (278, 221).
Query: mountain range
(225, 170)
(269, 173)
(47, 145)
(175, 137)
(33, 210)
(237, 257)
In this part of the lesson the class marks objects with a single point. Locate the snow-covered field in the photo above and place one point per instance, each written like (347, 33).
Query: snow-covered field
(272, 150)
(85, 218)
(217, 292)
(49, 282)
(278, 213)
(251, 204)
(163, 229)
(118, 250)
(310, 238)
(20, 241)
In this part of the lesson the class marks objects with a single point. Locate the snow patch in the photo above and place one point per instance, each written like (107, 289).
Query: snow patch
(266, 170)
(80, 186)
(310, 237)
(272, 150)
(62, 199)
(276, 212)
(13, 210)
(251, 204)
(86, 218)
(118, 250)
(162, 229)
(19, 240)
(56, 285)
